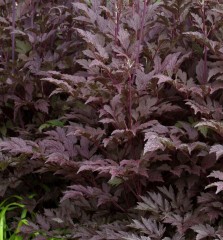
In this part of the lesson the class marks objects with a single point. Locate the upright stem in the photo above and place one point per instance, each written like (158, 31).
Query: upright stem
(131, 78)
(118, 14)
(205, 73)
(32, 14)
(141, 31)
(13, 32)
(137, 5)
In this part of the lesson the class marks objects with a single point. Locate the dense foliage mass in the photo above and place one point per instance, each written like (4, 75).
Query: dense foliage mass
(111, 118)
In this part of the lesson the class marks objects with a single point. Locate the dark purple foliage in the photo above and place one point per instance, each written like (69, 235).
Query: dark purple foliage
(111, 113)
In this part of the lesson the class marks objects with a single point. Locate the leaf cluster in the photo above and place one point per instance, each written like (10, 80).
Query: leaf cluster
(111, 112)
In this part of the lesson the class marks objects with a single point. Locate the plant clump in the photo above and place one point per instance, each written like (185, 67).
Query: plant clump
(111, 117)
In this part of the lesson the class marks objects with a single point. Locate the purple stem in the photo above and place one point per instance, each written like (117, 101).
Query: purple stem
(141, 30)
(13, 32)
(117, 22)
(131, 78)
(32, 15)
(205, 73)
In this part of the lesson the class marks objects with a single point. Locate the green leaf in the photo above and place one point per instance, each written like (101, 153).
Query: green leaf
(51, 123)
(203, 130)
(43, 126)
(3, 130)
(22, 46)
(115, 181)
(56, 123)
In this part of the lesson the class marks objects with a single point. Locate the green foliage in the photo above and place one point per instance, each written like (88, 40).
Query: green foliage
(51, 123)
(6, 206)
